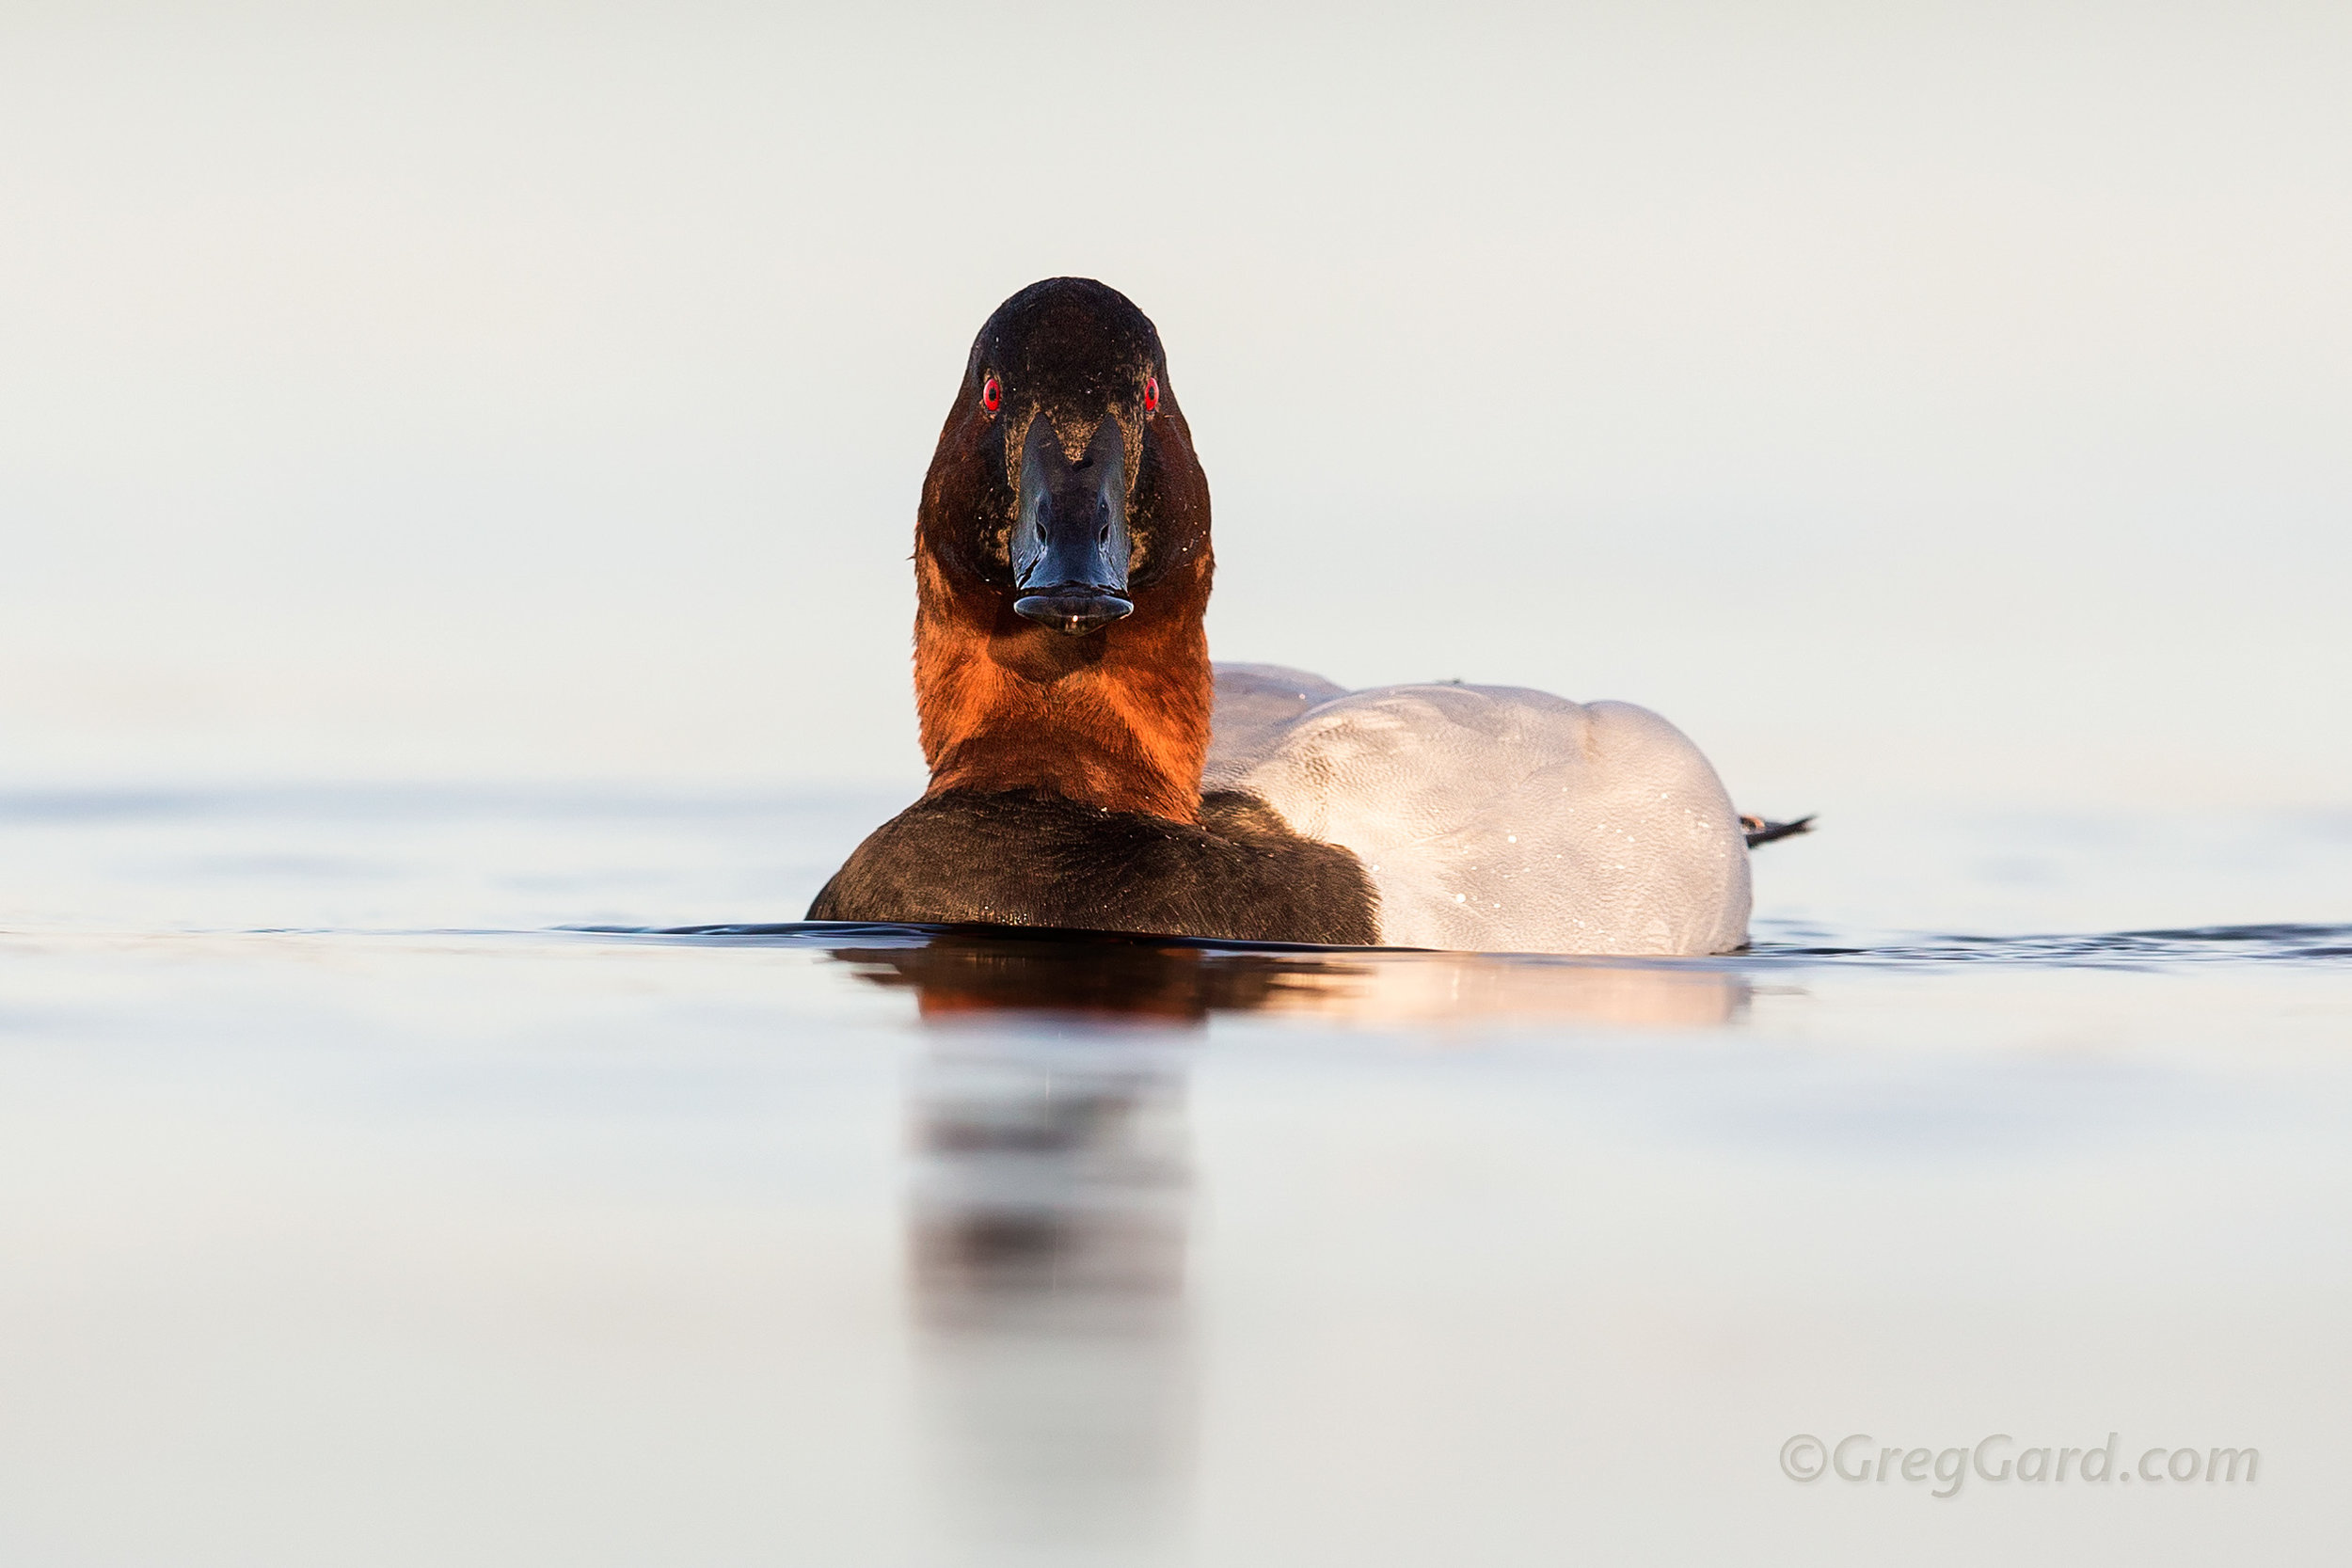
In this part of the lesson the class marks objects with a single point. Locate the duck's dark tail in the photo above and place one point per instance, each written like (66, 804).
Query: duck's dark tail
(1761, 831)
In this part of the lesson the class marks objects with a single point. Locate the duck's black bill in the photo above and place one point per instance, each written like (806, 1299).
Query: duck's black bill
(1072, 609)
(1069, 545)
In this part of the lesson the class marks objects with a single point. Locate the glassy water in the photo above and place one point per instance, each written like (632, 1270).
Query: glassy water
(425, 1177)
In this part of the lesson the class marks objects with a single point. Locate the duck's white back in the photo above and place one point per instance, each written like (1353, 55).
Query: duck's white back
(1493, 817)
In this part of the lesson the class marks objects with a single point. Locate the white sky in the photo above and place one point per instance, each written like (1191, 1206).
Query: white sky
(1942, 404)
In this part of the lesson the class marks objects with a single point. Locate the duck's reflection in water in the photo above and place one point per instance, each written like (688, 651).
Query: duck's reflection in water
(1065, 978)
(1047, 1232)
(1048, 1226)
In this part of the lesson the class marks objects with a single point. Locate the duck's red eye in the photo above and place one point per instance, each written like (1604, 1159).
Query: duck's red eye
(1152, 394)
(992, 394)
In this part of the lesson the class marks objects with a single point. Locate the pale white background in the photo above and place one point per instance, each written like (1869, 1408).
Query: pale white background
(523, 408)
(1911, 402)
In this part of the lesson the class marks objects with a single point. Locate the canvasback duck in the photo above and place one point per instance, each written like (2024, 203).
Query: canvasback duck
(1090, 768)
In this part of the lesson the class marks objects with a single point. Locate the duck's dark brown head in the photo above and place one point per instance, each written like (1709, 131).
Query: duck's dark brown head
(1062, 563)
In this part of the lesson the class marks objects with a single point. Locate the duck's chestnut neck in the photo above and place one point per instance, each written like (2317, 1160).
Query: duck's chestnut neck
(1118, 717)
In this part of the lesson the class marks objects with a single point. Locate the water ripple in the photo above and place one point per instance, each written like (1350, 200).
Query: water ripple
(2259, 943)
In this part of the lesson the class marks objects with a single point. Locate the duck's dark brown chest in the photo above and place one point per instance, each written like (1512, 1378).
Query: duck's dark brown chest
(1022, 859)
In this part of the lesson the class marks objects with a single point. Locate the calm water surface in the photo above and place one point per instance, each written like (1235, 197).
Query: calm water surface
(414, 1175)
